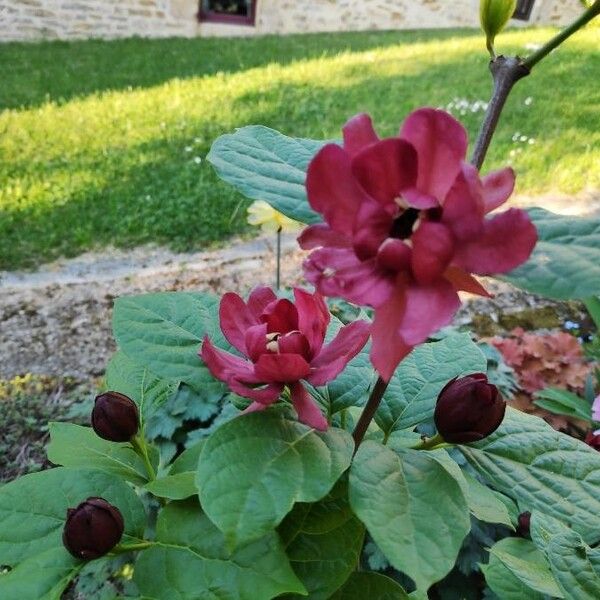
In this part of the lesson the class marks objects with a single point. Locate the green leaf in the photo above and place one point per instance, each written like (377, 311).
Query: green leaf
(323, 542)
(174, 487)
(542, 469)
(191, 561)
(505, 584)
(413, 508)
(264, 164)
(484, 504)
(33, 509)
(42, 577)
(592, 305)
(164, 331)
(412, 393)
(367, 585)
(574, 564)
(528, 564)
(255, 467)
(79, 447)
(566, 261)
(187, 460)
(563, 402)
(147, 390)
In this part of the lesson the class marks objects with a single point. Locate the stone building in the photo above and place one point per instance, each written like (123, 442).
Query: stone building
(73, 19)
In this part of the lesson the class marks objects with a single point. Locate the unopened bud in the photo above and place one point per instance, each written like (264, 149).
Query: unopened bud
(115, 417)
(524, 524)
(92, 529)
(494, 15)
(468, 409)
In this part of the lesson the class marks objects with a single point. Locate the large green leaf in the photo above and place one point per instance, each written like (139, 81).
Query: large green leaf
(264, 164)
(505, 584)
(373, 586)
(542, 469)
(174, 487)
(191, 561)
(33, 509)
(254, 468)
(413, 508)
(574, 564)
(563, 402)
(164, 331)
(76, 446)
(324, 542)
(528, 564)
(566, 261)
(412, 393)
(147, 390)
(42, 577)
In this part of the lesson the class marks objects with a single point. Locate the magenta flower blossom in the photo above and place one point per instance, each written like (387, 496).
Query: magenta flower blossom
(284, 344)
(405, 227)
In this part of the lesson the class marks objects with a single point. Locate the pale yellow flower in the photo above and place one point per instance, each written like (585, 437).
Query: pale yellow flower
(262, 214)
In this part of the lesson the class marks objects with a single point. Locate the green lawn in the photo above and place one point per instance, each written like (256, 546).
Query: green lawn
(103, 143)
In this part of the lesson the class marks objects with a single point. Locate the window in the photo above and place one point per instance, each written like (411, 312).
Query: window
(237, 12)
(523, 10)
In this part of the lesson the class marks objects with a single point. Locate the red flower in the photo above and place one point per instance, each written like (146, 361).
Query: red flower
(593, 439)
(405, 227)
(284, 342)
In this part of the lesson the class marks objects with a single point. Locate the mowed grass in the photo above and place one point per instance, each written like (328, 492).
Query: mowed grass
(104, 143)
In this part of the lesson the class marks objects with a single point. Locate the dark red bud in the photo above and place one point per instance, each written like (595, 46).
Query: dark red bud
(592, 439)
(115, 417)
(524, 524)
(468, 409)
(92, 529)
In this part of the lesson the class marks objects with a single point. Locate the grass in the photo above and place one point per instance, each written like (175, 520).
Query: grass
(103, 143)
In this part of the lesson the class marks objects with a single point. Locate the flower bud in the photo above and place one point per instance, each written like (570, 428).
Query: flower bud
(92, 529)
(468, 409)
(592, 439)
(494, 15)
(524, 524)
(115, 417)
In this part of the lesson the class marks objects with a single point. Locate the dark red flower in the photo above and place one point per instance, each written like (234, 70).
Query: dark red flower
(468, 409)
(283, 344)
(405, 227)
(593, 439)
(115, 417)
(524, 524)
(92, 529)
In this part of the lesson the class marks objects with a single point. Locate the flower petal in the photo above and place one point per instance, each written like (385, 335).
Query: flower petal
(433, 248)
(294, 343)
(497, 188)
(373, 225)
(319, 235)
(386, 169)
(235, 318)
(464, 282)
(259, 300)
(441, 145)
(349, 341)
(224, 366)
(281, 368)
(256, 341)
(265, 395)
(388, 347)
(427, 309)
(313, 318)
(332, 189)
(507, 241)
(463, 209)
(306, 407)
(359, 133)
(281, 317)
(337, 272)
(394, 255)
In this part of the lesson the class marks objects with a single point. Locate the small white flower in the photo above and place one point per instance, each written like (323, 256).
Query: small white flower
(528, 101)
(188, 148)
(197, 160)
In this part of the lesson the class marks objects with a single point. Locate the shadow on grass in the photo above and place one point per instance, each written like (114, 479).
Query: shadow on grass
(32, 74)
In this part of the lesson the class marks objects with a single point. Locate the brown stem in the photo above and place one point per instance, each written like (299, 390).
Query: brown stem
(369, 412)
(506, 71)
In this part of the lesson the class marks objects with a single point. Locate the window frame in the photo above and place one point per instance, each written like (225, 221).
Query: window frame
(209, 16)
(523, 10)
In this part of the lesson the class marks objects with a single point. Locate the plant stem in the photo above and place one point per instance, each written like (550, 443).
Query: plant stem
(123, 548)
(430, 443)
(141, 448)
(369, 412)
(278, 271)
(506, 71)
(592, 12)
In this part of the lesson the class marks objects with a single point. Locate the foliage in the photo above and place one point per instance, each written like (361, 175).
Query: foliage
(104, 143)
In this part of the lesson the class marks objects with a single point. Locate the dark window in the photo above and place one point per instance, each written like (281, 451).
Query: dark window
(240, 12)
(523, 10)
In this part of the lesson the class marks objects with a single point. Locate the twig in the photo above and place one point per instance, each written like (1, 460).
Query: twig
(369, 412)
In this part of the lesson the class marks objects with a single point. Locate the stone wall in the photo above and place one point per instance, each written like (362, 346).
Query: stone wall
(74, 19)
